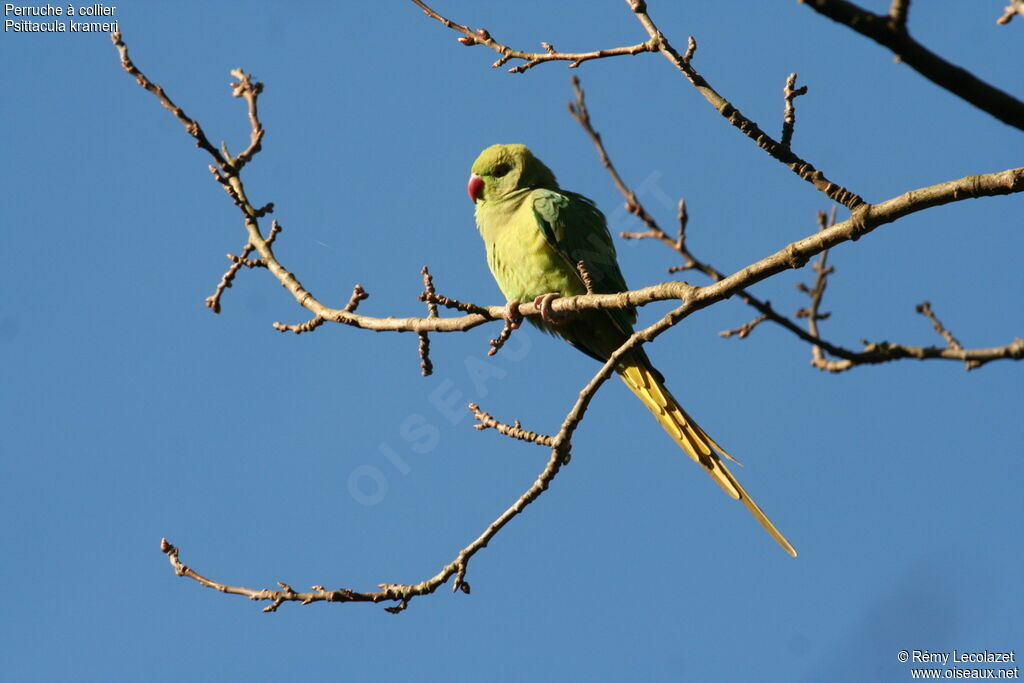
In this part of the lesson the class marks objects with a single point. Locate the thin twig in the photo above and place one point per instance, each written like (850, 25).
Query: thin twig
(578, 110)
(213, 301)
(506, 332)
(250, 91)
(358, 294)
(790, 92)
(925, 309)
(875, 353)
(191, 125)
(482, 36)
(816, 292)
(514, 430)
(427, 367)
(744, 330)
(308, 326)
(237, 262)
(487, 312)
(679, 246)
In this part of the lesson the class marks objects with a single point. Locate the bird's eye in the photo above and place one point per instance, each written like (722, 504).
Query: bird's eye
(501, 171)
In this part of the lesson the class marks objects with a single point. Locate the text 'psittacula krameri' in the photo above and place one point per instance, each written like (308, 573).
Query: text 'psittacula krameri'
(535, 234)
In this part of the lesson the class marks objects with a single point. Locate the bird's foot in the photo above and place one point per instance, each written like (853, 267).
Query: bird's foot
(513, 318)
(543, 304)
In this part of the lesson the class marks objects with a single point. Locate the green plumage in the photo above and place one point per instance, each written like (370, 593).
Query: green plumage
(535, 234)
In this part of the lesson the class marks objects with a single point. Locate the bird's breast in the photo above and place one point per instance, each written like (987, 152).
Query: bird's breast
(523, 262)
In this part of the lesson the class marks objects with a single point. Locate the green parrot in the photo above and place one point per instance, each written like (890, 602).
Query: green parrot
(535, 234)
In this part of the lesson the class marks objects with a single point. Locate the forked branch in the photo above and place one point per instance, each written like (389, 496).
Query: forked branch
(482, 36)
(871, 354)
(227, 172)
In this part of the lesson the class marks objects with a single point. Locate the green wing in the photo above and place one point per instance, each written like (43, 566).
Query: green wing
(578, 231)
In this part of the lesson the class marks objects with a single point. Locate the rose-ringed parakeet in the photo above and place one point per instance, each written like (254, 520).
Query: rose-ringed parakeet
(535, 234)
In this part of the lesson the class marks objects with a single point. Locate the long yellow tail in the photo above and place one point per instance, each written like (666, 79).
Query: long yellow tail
(645, 383)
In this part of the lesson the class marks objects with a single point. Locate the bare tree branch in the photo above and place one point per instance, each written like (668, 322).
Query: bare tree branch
(872, 353)
(403, 593)
(777, 150)
(226, 170)
(237, 262)
(658, 42)
(482, 36)
(890, 30)
(514, 430)
(925, 309)
(867, 218)
(213, 301)
(875, 353)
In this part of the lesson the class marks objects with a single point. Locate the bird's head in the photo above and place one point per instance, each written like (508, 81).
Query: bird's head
(503, 169)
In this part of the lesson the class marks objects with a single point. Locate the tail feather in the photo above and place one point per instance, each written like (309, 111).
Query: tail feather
(646, 384)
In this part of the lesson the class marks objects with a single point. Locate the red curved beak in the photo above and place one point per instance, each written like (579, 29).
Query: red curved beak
(475, 187)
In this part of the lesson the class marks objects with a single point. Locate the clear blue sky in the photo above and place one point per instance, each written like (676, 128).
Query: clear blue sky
(131, 412)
